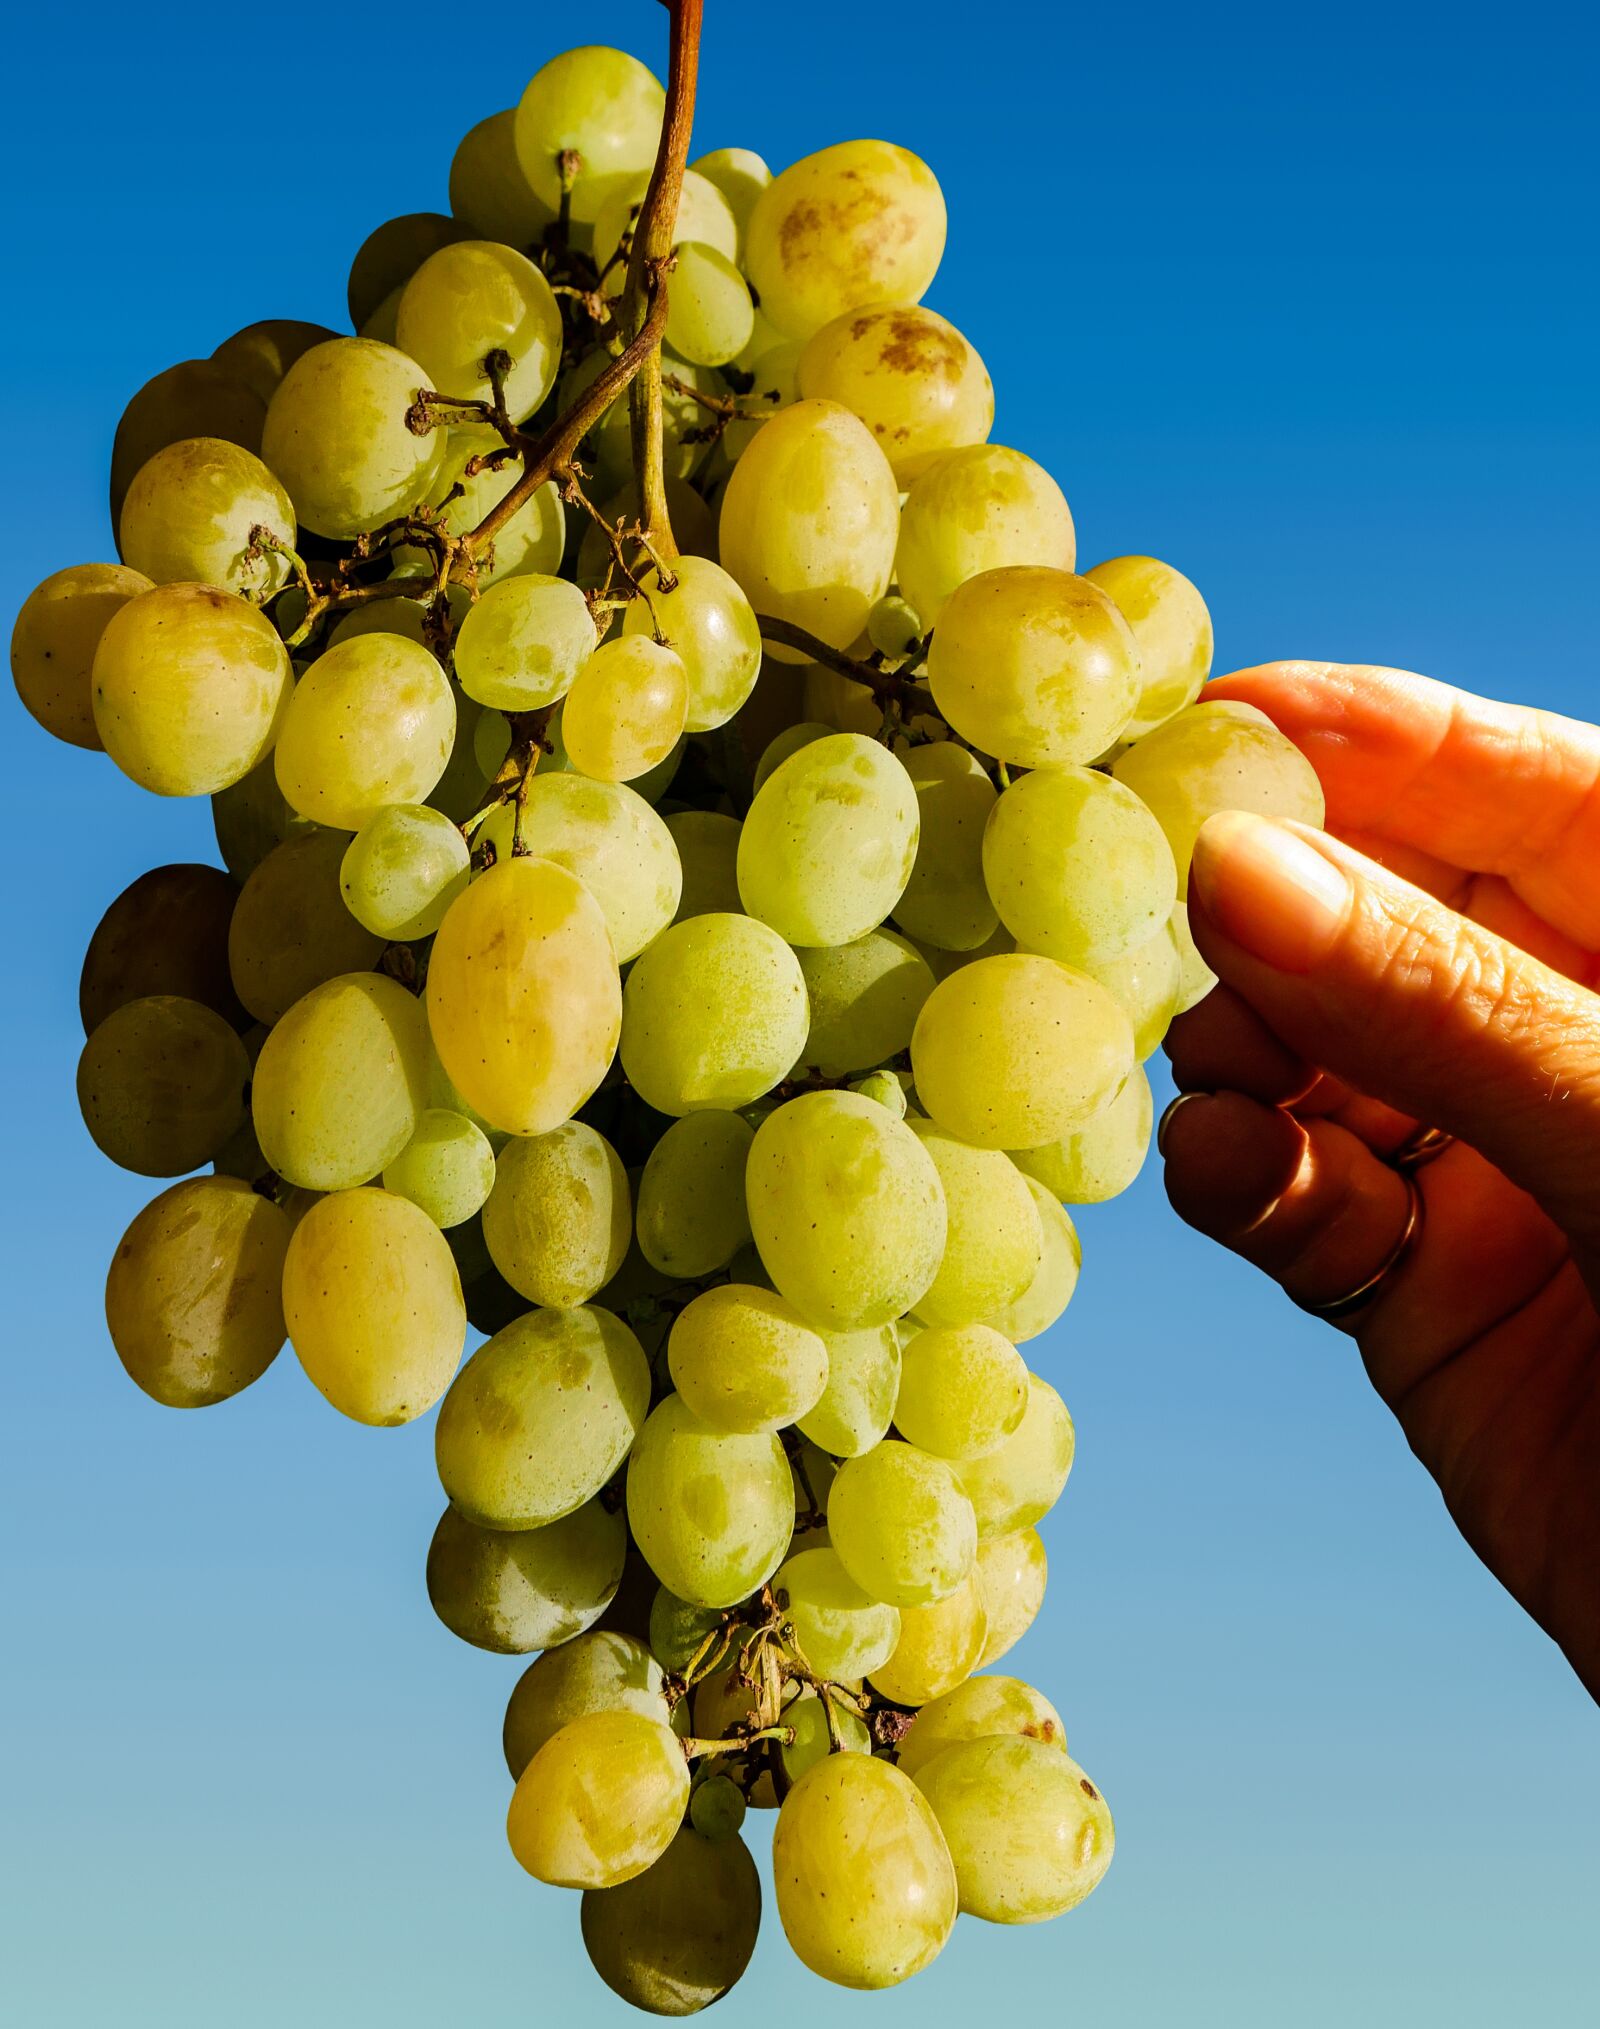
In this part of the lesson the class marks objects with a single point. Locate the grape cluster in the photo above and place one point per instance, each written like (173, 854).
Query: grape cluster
(721, 1033)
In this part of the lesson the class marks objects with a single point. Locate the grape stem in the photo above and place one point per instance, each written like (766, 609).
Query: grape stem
(736, 1743)
(894, 691)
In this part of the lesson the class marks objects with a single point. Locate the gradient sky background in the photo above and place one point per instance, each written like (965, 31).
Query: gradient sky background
(1295, 298)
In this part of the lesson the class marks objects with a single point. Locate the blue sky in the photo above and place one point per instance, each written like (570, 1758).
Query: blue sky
(1296, 298)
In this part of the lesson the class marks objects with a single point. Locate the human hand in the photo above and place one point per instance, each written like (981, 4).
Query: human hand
(1428, 961)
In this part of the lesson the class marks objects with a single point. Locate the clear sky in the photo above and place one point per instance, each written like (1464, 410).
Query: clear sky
(1301, 299)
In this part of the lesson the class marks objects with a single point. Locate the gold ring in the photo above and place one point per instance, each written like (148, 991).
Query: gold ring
(1366, 1292)
(1422, 1145)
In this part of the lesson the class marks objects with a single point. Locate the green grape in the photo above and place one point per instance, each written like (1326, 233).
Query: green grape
(250, 817)
(1106, 1153)
(524, 1001)
(847, 1209)
(744, 1360)
(1212, 758)
(692, 1218)
(741, 176)
(842, 1632)
(893, 628)
(595, 1672)
(939, 1646)
(161, 1085)
(598, 105)
(705, 218)
(166, 933)
(489, 190)
(713, 1015)
(446, 1168)
(262, 353)
(993, 1242)
(512, 1590)
(789, 741)
(1013, 1052)
(982, 509)
(679, 1629)
(708, 622)
(532, 540)
(963, 1390)
(829, 841)
(291, 931)
(391, 254)
(711, 1511)
(809, 521)
(523, 644)
(902, 1525)
(473, 299)
(403, 869)
(371, 723)
(190, 686)
(864, 997)
(677, 1937)
(1012, 1570)
(848, 228)
(808, 1719)
(1029, 1833)
(1077, 867)
(1195, 977)
(540, 1418)
(945, 902)
(373, 1305)
(1015, 1485)
(717, 1807)
(194, 1296)
(865, 1885)
(190, 515)
(979, 1709)
(196, 398)
(336, 436)
(1050, 1291)
(1148, 982)
(1173, 631)
(606, 834)
(915, 382)
(857, 1406)
(709, 312)
(559, 1218)
(54, 641)
(708, 851)
(884, 1087)
(626, 709)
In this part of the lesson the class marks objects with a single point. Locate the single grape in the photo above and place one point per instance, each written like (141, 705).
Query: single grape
(692, 1218)
(626, 709)
(512, 1590)
(476, 298)
(911, 377)
(1017, 1484)
(902, 1525)
(709, 312)
(54, 640)
(291, 929)
(677, 1937)
(977, 1710)
(391, 254)
(1050, 1291)
(262, 353)
(191, 512)
(856, 1408)
(711, 1511)
(708, 622)
(598, 108)
(679, 1629)
(594, 1672)
(161, 1085)
(865, 997)
(744, 1360)
(717, 1807)
(963, 1390)
(489, 190)
(886, 1089)
(166, 933)
(981, 509)
(1029, 1833)
(336, 436)
(1012, 1570)
(1106, 1153)
(403, 869)
(939, 1646)
(945, 902)
(708, 851)
(842, 1632)
(740, 174)
(993, 1241)
(196, 398)
(524, 642)
(1173, 631)
(371, 723)
(446, 1168)
(600, 1802)
(559, 1217)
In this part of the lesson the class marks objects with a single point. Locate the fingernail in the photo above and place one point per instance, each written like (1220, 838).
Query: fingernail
(1275, 896)
(1171, 1114)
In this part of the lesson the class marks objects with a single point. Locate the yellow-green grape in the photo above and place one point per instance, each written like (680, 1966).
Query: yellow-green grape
(540, 1418)
(865, 1885)
(717, 1807)
(373, 1305)
(1013, 1052)
(711, 1511)
(512, 1590)
(710, 625)
(986, 508)
(446, 1168)
(773, 370)
(1029, 1833)
(402, 871)
(371, 722)
(783, 744)
(1212, 758)
(263, 352)
(1195, 977)
(865, 997)
(1000, 945)
(945, 902)
(532, 540)
(473, 299)
(1148, 981)
(489, 190)
(190, 515)
(336, 436)
(596, 1672)
(383, 325)
(807, 1719)
(161, 1085)
(391, 254)
(626, 709)
(915, 382)
(524, 1001)
(893, 628)
(692, 1218)
(939, 1646)
(291, 929)
(884, 1087)
(196, 398)
(809, 521)
(709, 312)
(963, 1390)
(523, 644)
(993, 1241)
(251, 817)
(740, 174)
(608, 836)
(1106, 1153)
(979, 1709)
(857, 1406)
(679, 1629)
(1015, 1485)
(1050, 1291)
(340, 1082)
(677, 1937)
(713, 1015)
(902, 1524)
(167, 932)
(708, 852)
(194, 1298)
(599, 106)
(704, 218)
(189, 686)
(54, 642)
(558, 1219)
(842, 1631)
(852, 226)
(846, 1208)
(1172, 628)
(1012, 1570)
(742, 1359)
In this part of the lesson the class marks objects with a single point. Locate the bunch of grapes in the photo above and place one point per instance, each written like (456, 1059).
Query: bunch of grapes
(703, 874)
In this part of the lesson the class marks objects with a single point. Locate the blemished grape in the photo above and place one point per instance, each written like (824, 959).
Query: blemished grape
(1019, 1482)
(194, 1297)
(446, 1168)
(1012, 1570)
(196, 398)
(977, 1710)
(708, 852)
(371, 723)
(403, 869)
(1050, 1291)
(166, 933)
(541, 1417)
(676, 1937)
(865, 997)
(865, 1884)
(190, 513)
(161, 1084)
(912, 378)
(54, 641)
(963, 1390)
(684, 1050)
(842, 1631)
(902, 1524)
(489, 190)
(1028, 1832)
(373, 1305)
(982, 509)
(472, 299)
(291, 929)
(712, 1511)
(598, 105)
(606, 834)
(1148, 981)
(939, 1646)
(1104, 1156)
(336, 436)
(945, 902)
(390, 255)
(514, 1590)
(524, 642)
(595, 1672)
(857, 1406)
(1173, 631)
(709, 623)
(626, 709)
(744, 1360)
(692, 1218)
(559, 1218)
(993, 1242)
